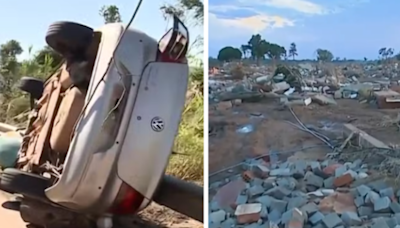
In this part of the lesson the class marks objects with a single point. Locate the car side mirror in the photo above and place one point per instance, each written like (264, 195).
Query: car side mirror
(174, 44)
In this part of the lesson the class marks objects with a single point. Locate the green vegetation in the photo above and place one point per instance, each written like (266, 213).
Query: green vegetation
(14, 105)
(227, 54)
(259, 49)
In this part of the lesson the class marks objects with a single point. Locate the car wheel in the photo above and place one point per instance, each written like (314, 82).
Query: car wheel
(24, 183)
(33, 86)
(69, 38)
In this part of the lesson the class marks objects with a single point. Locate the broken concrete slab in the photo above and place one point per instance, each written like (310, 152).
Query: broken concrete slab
(351, 218)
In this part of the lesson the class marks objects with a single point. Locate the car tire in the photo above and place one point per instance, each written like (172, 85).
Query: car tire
(30, 185)
(69, 38)
(33, 86)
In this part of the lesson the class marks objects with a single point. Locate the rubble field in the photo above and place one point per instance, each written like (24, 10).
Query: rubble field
(305, 145)
(294, 185)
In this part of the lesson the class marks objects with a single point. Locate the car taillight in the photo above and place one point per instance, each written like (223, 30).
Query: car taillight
(127, 201)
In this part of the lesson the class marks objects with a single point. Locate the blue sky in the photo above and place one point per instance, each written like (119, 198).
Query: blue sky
(27, 21)
(349, 28)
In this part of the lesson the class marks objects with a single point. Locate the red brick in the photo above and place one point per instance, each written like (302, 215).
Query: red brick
(248, 176)
(343, 180)
(331, 169)
(248, 218)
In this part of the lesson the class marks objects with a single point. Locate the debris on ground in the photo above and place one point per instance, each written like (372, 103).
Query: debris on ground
(305, 133)
(302, 194)
(367, 83)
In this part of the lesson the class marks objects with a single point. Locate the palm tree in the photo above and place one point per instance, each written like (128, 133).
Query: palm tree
(293, 51)
(382, 52)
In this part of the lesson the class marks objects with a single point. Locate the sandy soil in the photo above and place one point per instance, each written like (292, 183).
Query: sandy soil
(155, 216)
(272, 133)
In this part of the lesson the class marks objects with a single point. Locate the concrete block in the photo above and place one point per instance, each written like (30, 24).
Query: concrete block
(279, 205)
(256, 182)
(356, 164)
(297, 202)
(268, 184)
(230, 222)
(379, 223)
(395, 207)
(217, 217)
(214, 206)
(351, 218)
(339, 171)
(278, 192)
(260, 170)
(382, 205)
(371, 197)
(389, 192)
(328, 183)
(282, 172)
(314, 180)
(359, 201)
(321, 173)
(275, 216)
(315, 165)
(256, 190)
(310, 208)
(365, 211)
(300, 165)
(319, 225)
(363, 190)
(391, 222)
(378, 185)
(242, 199)
(264, 212)
(288, 182)
(265, 200)
(332, 220)
(293, 216)
(316, 218)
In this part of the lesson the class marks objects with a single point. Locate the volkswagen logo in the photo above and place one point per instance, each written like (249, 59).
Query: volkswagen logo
(157, 124)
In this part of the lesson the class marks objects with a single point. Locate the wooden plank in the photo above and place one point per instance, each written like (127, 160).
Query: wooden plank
(364, 139)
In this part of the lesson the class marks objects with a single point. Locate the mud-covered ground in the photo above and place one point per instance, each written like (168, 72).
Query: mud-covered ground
(271, 132)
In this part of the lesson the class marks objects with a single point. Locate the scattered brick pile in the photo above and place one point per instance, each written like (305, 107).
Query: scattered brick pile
(305, 194)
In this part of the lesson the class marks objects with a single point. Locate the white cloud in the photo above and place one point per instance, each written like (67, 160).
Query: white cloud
(254, 24)
(302, 6)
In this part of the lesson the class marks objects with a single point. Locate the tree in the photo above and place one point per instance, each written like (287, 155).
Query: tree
(10, 49)
(110, 14)
(258, 47)
(324, 55)
(245, 49)
(185, 9)
(8, 57)
(274, 51)
(389, 52)
(189, 11)
(382, 52)
(228, 54)
(293, 51)
(48, 52)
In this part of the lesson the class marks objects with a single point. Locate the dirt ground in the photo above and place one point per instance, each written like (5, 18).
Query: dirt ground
(155, 216)
(272, 133)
